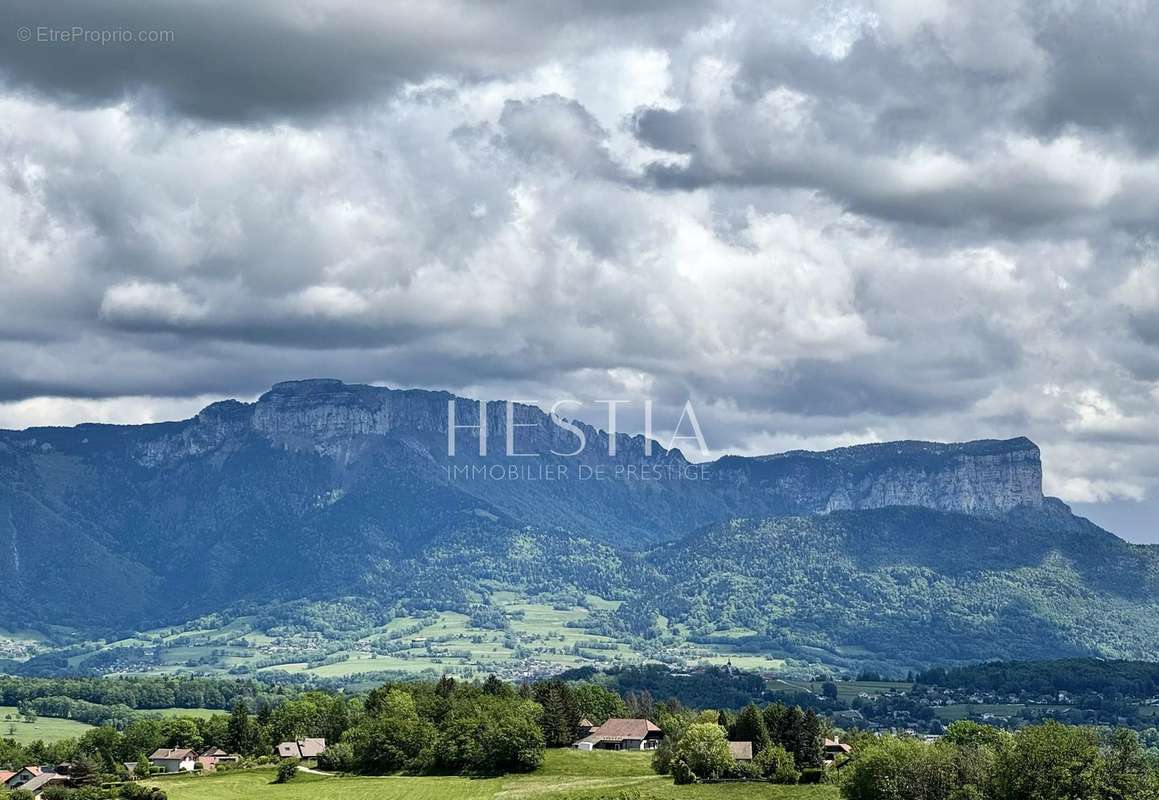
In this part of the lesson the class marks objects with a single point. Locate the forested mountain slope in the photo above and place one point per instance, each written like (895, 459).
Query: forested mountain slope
(323, 489)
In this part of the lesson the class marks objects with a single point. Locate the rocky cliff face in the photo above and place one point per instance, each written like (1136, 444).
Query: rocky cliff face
(988, 477)
(191, 516)
(341, 421)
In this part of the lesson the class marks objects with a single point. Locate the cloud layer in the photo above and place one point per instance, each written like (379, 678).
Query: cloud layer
(824, 223)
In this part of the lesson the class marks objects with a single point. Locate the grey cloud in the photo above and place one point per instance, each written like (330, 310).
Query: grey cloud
(1104, 69)
(261, 60)
(917, 232)
(558, 130)
(937, 127)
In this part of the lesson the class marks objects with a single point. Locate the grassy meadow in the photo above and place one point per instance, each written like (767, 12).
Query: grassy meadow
(48, 729)
(565, 775)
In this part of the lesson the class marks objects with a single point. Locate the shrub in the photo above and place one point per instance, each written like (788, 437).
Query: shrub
(136, 791)
(287, 769)
(776, 764)
(746, 771)
(338, 757)
(812, 775)
(702, 754)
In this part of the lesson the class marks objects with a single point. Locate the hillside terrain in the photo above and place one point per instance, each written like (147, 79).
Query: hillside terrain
(328, 528)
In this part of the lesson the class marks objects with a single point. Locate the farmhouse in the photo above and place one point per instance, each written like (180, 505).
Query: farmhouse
(834, 748)
(301, 749)
(214, 756)
(43, 781)
(17, 779)
(622, 734)
(181, 759)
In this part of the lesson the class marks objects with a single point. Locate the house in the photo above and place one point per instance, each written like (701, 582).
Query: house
(43, 781)
(301, 749)
(17, 779)
(214, 756)
(180, 759)
(832, 749)
(741, 751)
(622, 734)
(584, 728)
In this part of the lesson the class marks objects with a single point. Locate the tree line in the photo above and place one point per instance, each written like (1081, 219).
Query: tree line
(972, 761)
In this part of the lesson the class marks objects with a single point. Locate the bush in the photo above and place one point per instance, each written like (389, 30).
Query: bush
(56, 793)
(287, 769)
(746, 771)
(702, 754)
(812, 775)
(136, 791)
(662, 756)
(776, 764)
(338, 757)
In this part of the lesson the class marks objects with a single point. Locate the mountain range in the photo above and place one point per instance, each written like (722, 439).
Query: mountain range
(907, 552)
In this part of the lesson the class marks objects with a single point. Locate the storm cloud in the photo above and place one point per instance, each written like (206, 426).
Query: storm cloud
(824, 223)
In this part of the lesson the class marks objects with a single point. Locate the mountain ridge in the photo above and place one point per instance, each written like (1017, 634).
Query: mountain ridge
(320, 489)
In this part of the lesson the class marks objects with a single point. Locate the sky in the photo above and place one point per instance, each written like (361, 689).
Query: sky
(821, 222)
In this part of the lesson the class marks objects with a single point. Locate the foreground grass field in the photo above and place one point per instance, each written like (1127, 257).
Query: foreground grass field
(565, 775)
(48, 729)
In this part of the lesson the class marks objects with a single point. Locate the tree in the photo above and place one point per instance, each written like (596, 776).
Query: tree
(640, 705)
(1051, 761)
(181, 732)
(597, 703)
(776, 764)
(490, 735)
(393, 738)
(495, 686)
(140, 736)
(242, 734)
(143, 767)
(287, 770)
(898, 769)
(749, 726)
(702, 754)
(967, 733)
(338, 757)
(829, 690)
(1129, 773)
(561, 715)
(335, 718)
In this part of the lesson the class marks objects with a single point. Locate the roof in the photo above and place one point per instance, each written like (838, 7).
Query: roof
(5, 775)
(586, 723)
(741, 751)
(312, 748)
(303, 748)
(833, 744)
(43, 780)
(214, 752)
(617, 728)
(176, 754)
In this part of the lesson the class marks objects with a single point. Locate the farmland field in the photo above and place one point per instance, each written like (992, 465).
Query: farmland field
(200, 713)
(48, 729)
(536, 637)
(565, 775)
